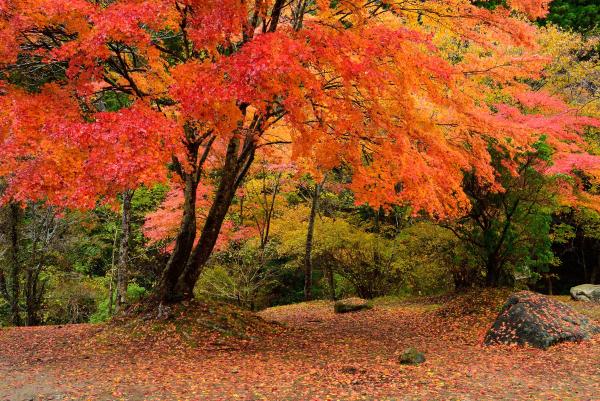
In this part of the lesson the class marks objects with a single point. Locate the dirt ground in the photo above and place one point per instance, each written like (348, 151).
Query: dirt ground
(311, 354)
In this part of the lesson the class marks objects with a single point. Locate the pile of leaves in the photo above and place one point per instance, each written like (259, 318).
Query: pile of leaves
(483, 303)
(191, 324)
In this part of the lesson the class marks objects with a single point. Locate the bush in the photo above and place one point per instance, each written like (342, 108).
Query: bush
(135, 292)
(242, 274)
(430, 260)
(73, 298)
(365, 260)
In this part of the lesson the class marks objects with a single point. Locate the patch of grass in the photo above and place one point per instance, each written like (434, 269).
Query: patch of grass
(413, 303)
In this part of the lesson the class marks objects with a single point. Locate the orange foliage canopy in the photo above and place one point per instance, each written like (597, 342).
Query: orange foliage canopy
(409, 94)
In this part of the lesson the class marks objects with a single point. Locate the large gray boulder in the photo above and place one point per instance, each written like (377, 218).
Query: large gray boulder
(586, 292)
(539, 321)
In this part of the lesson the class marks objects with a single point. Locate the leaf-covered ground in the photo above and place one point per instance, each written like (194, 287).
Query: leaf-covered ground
(310, 354)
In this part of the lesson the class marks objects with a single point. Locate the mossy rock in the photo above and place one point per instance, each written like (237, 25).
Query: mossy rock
(539, 321)
(411, 356)
(351, 305)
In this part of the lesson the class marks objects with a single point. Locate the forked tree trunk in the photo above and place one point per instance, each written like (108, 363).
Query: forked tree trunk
(234, 171)
(186, 263)
(123, 262)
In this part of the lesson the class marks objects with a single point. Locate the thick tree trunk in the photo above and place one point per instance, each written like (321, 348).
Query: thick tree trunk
(492, 278)
(15, 265)
(166, 289)
(206, 244)
(595, 275)
(123, 262)
(308, 267)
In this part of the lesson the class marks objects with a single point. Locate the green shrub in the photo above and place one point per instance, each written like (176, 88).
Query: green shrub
(429, 259)
(72, 298)
(135, 292)
(242, 274)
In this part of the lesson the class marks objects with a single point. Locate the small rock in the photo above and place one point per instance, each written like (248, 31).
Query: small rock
(411, 356)
(349, 370)
(586, 292)
(351, 305)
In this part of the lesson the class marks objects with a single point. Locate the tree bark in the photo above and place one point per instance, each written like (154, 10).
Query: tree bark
(34, 296)
(15, 265)
(492, 278)
(308, 267)
(123, 262)
(234, 171)
(331, 282)
(111, 283)
(595, 275)
(166, 289)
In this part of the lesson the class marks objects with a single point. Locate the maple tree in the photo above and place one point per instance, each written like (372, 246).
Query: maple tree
(408, 94)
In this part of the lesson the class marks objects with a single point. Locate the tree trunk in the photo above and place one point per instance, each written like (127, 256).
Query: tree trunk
(308, 267)
(166, 289)
(111, 283)
(15, 265)
(33, 296)
(492, 278)
(595, 275)
(331, 282)
(122, 265)
(234, 170)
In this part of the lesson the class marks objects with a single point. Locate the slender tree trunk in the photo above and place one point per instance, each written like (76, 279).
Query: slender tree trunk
(308, 267)
(15, 265)
(166, 289)
(123, 262)
(111, 283)
(331, 281)
(3, 287)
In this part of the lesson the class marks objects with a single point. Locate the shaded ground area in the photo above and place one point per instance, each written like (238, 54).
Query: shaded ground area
(311, 354)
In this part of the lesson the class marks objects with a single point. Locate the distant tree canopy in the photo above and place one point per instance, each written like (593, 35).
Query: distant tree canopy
(579, 15)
